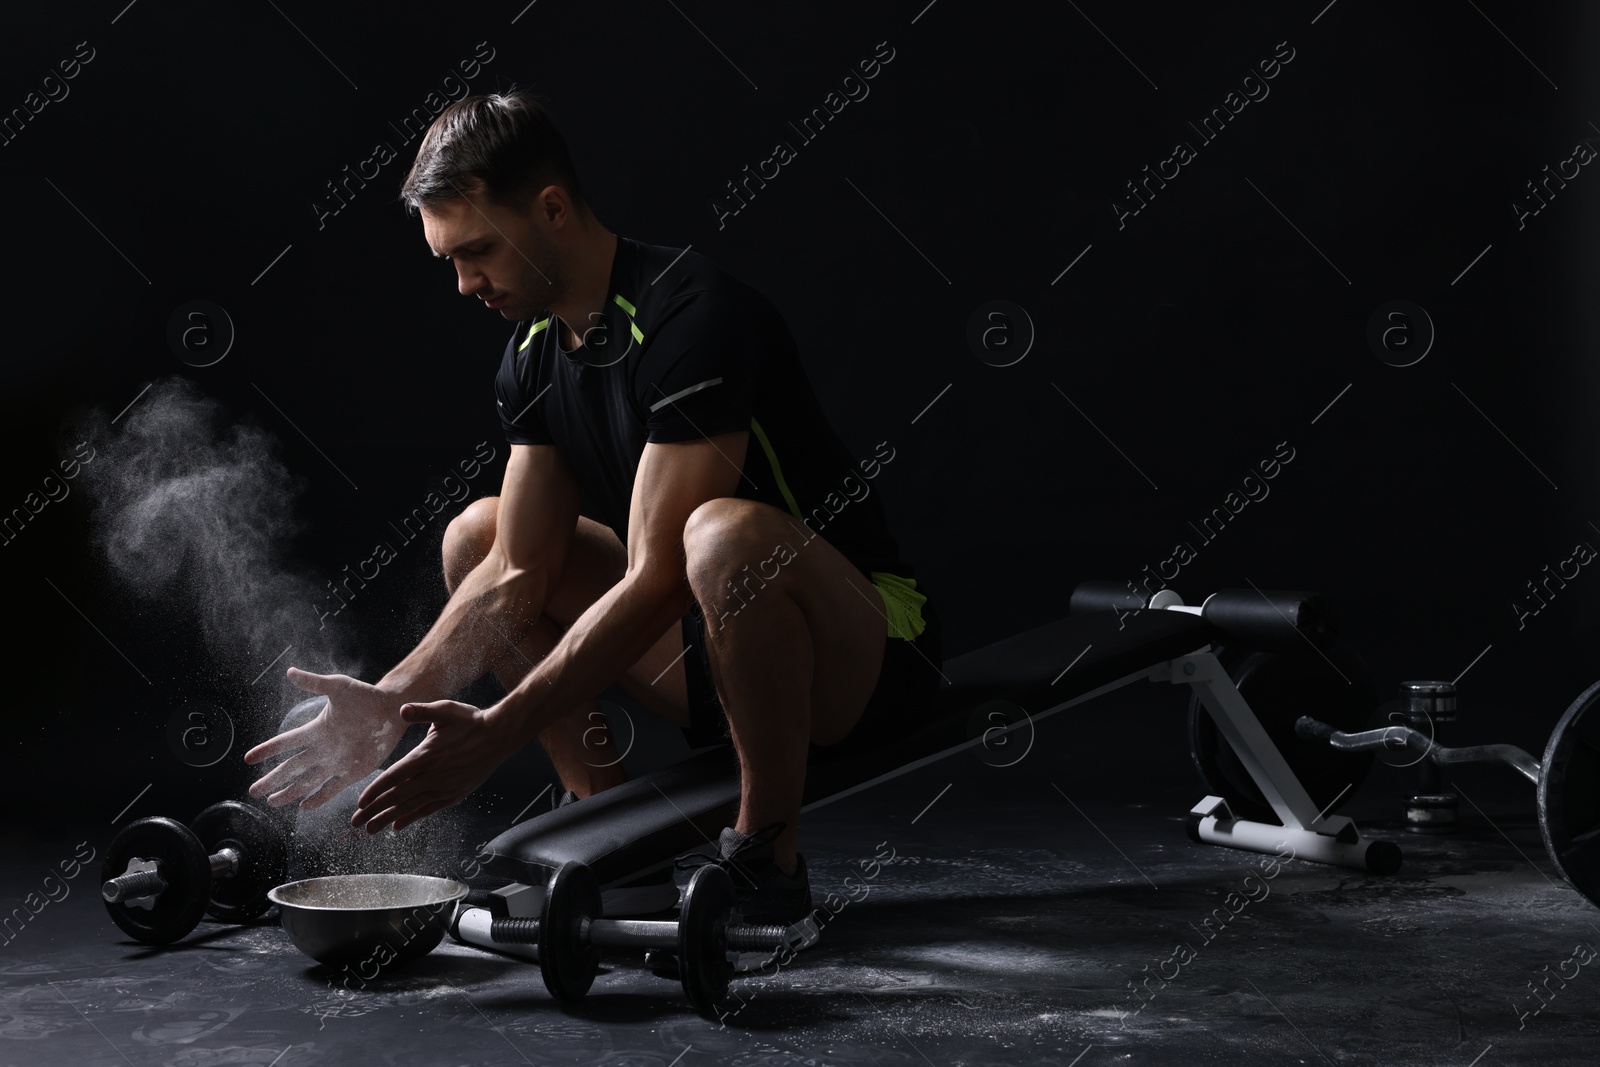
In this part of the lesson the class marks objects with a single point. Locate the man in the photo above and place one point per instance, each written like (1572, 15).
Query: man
(676, 517)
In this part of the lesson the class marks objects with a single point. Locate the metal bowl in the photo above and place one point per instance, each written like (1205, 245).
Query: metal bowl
(367, 922)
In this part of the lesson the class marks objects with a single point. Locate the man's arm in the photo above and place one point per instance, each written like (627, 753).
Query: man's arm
(465, 744)
(503, 596)
(621, 626)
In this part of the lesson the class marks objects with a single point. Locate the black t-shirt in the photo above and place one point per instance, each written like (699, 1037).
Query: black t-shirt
(686, 351)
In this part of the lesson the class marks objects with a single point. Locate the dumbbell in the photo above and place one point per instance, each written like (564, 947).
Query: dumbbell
(161, 876)
(1568, 778)
(570, 932)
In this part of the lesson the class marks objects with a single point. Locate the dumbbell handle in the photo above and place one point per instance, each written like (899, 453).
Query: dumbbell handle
(132, 886)
(1406, 737)
(639, 933)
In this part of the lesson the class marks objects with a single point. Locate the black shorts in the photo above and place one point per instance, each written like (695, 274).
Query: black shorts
(902, 701)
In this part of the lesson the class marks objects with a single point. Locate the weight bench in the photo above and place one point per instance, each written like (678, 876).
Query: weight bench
(1111, 638)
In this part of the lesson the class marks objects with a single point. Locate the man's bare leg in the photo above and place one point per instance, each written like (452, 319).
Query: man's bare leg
(579, 745)
(795, 634)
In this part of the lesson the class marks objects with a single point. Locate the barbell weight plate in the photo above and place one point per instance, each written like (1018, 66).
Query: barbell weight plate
(1280, 687)
(184, 866)
(703, 964)
(263, 858)
(1569, 795)
(569, 965)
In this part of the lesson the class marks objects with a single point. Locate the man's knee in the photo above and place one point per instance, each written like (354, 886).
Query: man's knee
(718, 537)
(468, 538)
(735, 548)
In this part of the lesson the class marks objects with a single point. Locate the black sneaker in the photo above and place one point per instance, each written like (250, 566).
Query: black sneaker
(765, 895)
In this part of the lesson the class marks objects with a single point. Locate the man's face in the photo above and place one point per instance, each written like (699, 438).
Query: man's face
(501, 255)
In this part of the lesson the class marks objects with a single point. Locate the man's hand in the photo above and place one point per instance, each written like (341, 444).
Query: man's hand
(463, 747)
(355, 732)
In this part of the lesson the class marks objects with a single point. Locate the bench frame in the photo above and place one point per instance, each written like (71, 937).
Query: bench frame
(1309, 834)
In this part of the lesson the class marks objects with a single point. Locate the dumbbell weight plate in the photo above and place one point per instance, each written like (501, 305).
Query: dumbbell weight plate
(1569, 795)
(184, 866)
(703, 965)
(568, 965)
(263, 857)
(1280, 687)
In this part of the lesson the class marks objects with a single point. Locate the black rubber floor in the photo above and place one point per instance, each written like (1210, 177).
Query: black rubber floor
(1021, 909)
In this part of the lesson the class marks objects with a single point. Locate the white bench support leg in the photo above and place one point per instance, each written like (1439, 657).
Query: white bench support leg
(1313, 835)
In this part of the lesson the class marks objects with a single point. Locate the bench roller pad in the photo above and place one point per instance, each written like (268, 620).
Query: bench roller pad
(643, 824)
(1277, 620)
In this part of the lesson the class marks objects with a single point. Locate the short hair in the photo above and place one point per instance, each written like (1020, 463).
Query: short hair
(504, 144)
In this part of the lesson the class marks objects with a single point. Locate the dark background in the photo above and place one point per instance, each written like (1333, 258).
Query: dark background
(984, 161)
